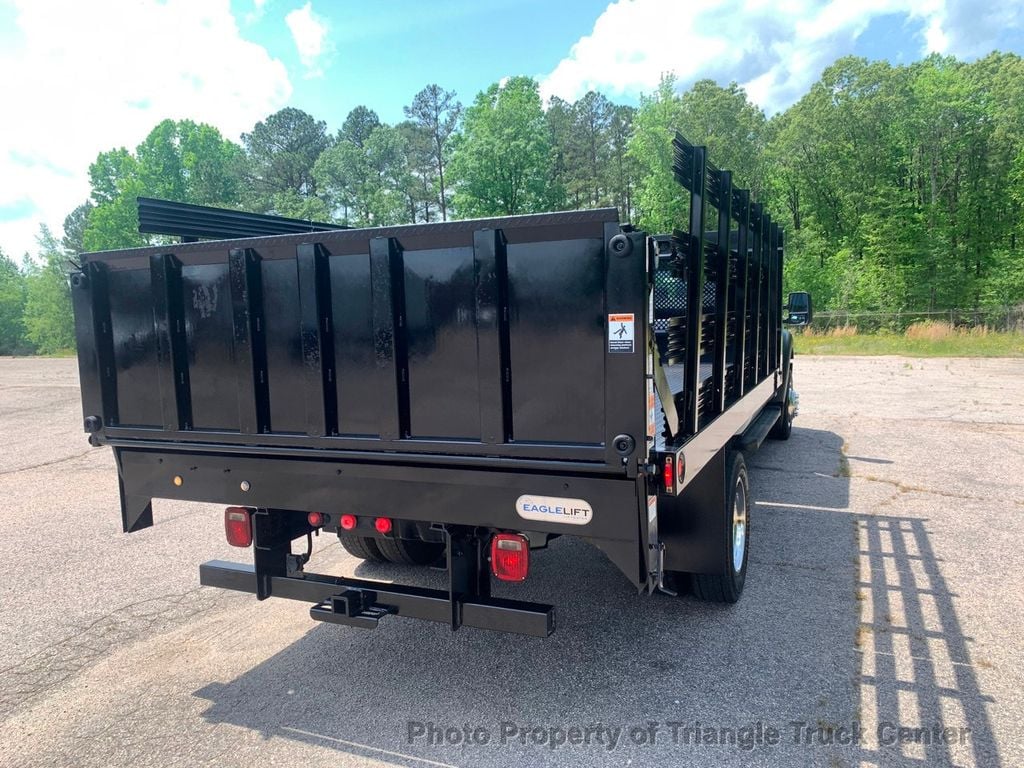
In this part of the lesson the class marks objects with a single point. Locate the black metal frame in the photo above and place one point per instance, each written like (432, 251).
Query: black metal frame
(470, 502)
(102, 351)
(463, 487)
(731, 320)
(361, 603)
(740, 332)
(193, 222)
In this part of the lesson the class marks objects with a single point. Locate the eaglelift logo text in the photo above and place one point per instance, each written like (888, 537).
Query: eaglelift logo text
(552, 509)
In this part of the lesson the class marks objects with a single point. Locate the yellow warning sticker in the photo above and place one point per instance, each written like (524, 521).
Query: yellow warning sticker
(621, 333)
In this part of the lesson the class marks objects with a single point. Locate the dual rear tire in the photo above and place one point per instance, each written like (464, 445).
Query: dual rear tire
(784, 426)
(400, 551)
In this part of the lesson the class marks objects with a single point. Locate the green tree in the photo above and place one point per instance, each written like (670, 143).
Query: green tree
(296, 206)
(75, 224)
(899, 181)
(501, 163)
(358, 125)
(107, 173)
(660, 202)
(386, 155)
(376, 174)
(49, 324)
(558, 119)
(422, 193)
(621, 170)
(114, 221)
(369, 183)
(730, 126)
(592, 117)
(182, 161)
(12, 307)
(280, 153)
(437, 112)
(722, 119)
(190, 162)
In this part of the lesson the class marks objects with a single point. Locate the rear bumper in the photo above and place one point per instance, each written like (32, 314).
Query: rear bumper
(468, 498)
(363, 603)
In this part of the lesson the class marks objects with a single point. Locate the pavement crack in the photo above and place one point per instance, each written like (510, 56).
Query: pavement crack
(44, 671)
(45, 463)
(902, 488)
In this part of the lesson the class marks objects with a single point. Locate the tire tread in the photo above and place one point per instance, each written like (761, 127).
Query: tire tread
(363, 547)
(722, 587)
(409, 552)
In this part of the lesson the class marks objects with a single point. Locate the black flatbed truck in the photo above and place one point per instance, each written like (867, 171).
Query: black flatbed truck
(457, 392)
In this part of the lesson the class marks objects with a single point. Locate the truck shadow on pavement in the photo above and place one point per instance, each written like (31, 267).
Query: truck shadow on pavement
(808, 653)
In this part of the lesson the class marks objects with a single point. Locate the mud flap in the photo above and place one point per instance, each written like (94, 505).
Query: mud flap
(136, 511)
(693, 526)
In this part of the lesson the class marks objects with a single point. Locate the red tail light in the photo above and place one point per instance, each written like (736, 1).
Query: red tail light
(383, 525)
(668, 475)
(348, 522)
(238, 526)
(510, 556)
(315, 519)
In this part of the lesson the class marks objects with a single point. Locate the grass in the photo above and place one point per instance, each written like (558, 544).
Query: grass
(928, 339)
(53, 353)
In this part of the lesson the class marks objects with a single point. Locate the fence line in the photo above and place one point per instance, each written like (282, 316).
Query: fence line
(1001, 319)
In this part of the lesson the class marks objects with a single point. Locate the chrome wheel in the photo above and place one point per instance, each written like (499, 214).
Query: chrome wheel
(739, 525)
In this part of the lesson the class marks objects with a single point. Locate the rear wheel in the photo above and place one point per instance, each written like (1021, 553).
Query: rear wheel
(726, 587)
(410, 551)
(363, 547)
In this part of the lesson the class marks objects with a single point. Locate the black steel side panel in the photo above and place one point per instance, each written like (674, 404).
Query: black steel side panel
(481, 338)
(557, 328)
(131, 319)
(285, 363)
(208, 323)
(352, 302)
(444, 388)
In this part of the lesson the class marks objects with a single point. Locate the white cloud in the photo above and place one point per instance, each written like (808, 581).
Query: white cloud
(775, 49)
(85, 77)
(309, 31)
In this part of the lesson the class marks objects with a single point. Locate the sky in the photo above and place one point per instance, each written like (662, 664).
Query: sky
(80, 77)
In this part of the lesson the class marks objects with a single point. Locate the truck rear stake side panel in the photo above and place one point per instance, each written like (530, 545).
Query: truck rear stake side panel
(440, 339)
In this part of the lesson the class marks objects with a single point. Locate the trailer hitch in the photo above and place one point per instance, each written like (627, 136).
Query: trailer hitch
(354, 607)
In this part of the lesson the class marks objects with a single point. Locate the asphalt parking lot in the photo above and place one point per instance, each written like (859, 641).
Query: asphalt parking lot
(884, 592)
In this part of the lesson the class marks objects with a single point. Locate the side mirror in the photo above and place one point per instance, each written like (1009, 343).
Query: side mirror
(799, 308)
